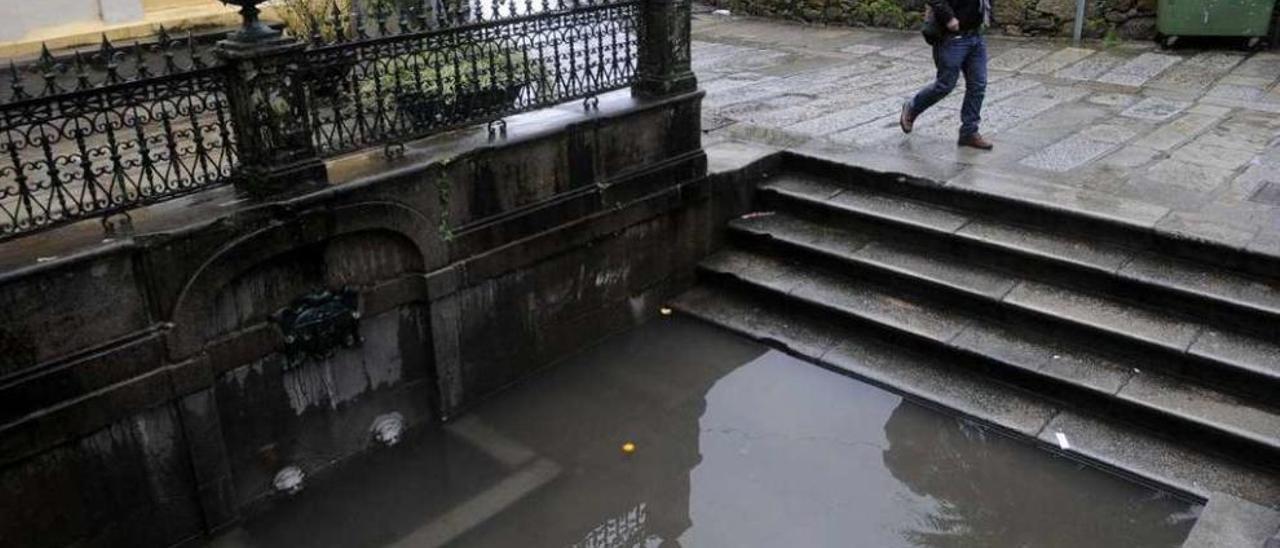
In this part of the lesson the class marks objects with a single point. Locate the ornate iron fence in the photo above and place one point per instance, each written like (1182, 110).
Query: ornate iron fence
(94, 143)
(467, 67)
(104, 150)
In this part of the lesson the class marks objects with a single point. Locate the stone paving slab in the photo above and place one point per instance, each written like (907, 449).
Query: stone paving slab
(1188, 135)
(1135, 72)
(1058, 60)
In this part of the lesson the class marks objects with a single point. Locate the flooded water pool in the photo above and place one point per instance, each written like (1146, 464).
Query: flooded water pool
(732, 445)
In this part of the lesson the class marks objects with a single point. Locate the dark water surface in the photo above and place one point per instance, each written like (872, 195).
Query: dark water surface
(736, 445)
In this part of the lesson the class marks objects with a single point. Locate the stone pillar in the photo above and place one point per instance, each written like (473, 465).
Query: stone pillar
(211, 470)
(268, 107)
(664, 59)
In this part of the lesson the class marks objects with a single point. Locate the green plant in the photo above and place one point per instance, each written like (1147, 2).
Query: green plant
(1111, 39)
(881, 13)
(449, 73)
(307, 18)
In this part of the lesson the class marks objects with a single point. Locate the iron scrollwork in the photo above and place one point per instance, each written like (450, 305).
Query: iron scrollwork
(96, 134)
(316, 325)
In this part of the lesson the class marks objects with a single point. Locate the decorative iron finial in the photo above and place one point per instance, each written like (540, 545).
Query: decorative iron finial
(197, 62)
(15, 84)
(140, 62)
(424, 15)
(165, 43)
(402, 22)
(109, 57)
(252, 29)
(162, 37)
(357, 17)
(82, 73)
(380, 17)
(338, 21)
(313, 21)
(105, 49)
(49, 69)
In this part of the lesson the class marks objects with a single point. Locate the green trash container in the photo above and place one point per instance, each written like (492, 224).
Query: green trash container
(1244, 18)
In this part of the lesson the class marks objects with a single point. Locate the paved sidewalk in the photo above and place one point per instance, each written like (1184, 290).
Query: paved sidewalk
(1184, 140)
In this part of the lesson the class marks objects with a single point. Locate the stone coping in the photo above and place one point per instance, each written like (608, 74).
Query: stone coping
(85, 239)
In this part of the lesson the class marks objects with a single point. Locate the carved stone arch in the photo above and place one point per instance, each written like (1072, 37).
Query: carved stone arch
(301, 243)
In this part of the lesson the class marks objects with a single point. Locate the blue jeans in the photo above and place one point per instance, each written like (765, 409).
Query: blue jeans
(953, 55)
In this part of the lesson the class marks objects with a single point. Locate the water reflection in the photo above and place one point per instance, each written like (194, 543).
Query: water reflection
(985, 492)
(736, 447)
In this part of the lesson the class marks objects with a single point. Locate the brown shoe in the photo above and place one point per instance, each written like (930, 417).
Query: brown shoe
(975, 141)
(906, 120)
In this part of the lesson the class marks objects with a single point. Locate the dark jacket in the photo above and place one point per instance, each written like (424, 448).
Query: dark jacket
(968, 12)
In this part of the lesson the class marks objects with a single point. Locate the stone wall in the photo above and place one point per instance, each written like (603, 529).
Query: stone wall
(1133, 19)
(153, 390)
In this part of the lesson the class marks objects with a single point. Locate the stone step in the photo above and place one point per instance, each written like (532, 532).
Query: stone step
(938, 382)
(1234, 300)
(1023, 200)
(1236, 362)
(1039, 359)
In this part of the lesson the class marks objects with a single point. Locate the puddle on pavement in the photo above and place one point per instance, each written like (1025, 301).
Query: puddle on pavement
(736, 445)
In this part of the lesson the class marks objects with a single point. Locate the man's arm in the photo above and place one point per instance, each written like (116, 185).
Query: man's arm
(942, 11)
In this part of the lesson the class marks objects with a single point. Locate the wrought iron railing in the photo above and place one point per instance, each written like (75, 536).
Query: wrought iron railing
(105, 65)
(110, 131)
(104, 150)
(465, 68)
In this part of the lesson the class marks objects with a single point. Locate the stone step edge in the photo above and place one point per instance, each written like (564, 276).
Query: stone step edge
(956, 196)
(1228, 435)
(1174, 292)
(1155, 476)
(1243, 374)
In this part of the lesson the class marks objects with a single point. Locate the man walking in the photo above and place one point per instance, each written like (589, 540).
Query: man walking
(960, 49)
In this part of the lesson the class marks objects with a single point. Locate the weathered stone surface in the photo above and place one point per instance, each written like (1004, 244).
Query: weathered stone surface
(1229, 521)
(1248, 352)
(1010, 12)
(1135, 72)
(1089, 252)
(1068, 154)
(939, 382)
(1149, 326)
(55, 313)
(1155, 108)
(1061, 9)
(1158, 460)
(127, 484)
(1178, 131)
(1016, 58)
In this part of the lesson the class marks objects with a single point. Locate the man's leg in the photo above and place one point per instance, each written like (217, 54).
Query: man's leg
(948, 57)
(975, 86)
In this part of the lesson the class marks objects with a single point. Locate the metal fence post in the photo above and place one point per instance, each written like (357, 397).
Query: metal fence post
(663, 65)
(268, 107)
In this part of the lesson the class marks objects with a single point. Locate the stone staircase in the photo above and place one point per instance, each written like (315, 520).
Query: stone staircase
(1097, 336)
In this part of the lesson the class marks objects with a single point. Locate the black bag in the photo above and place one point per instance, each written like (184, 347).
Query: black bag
(932, 31)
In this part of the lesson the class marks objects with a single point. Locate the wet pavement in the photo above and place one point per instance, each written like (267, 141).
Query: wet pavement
(1192, 134)
(734, 445)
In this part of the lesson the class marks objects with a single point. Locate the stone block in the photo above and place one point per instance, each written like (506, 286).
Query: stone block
(1060, 9)
(127, 484)
(57, 312)
(1010, 12)
(87, 374)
